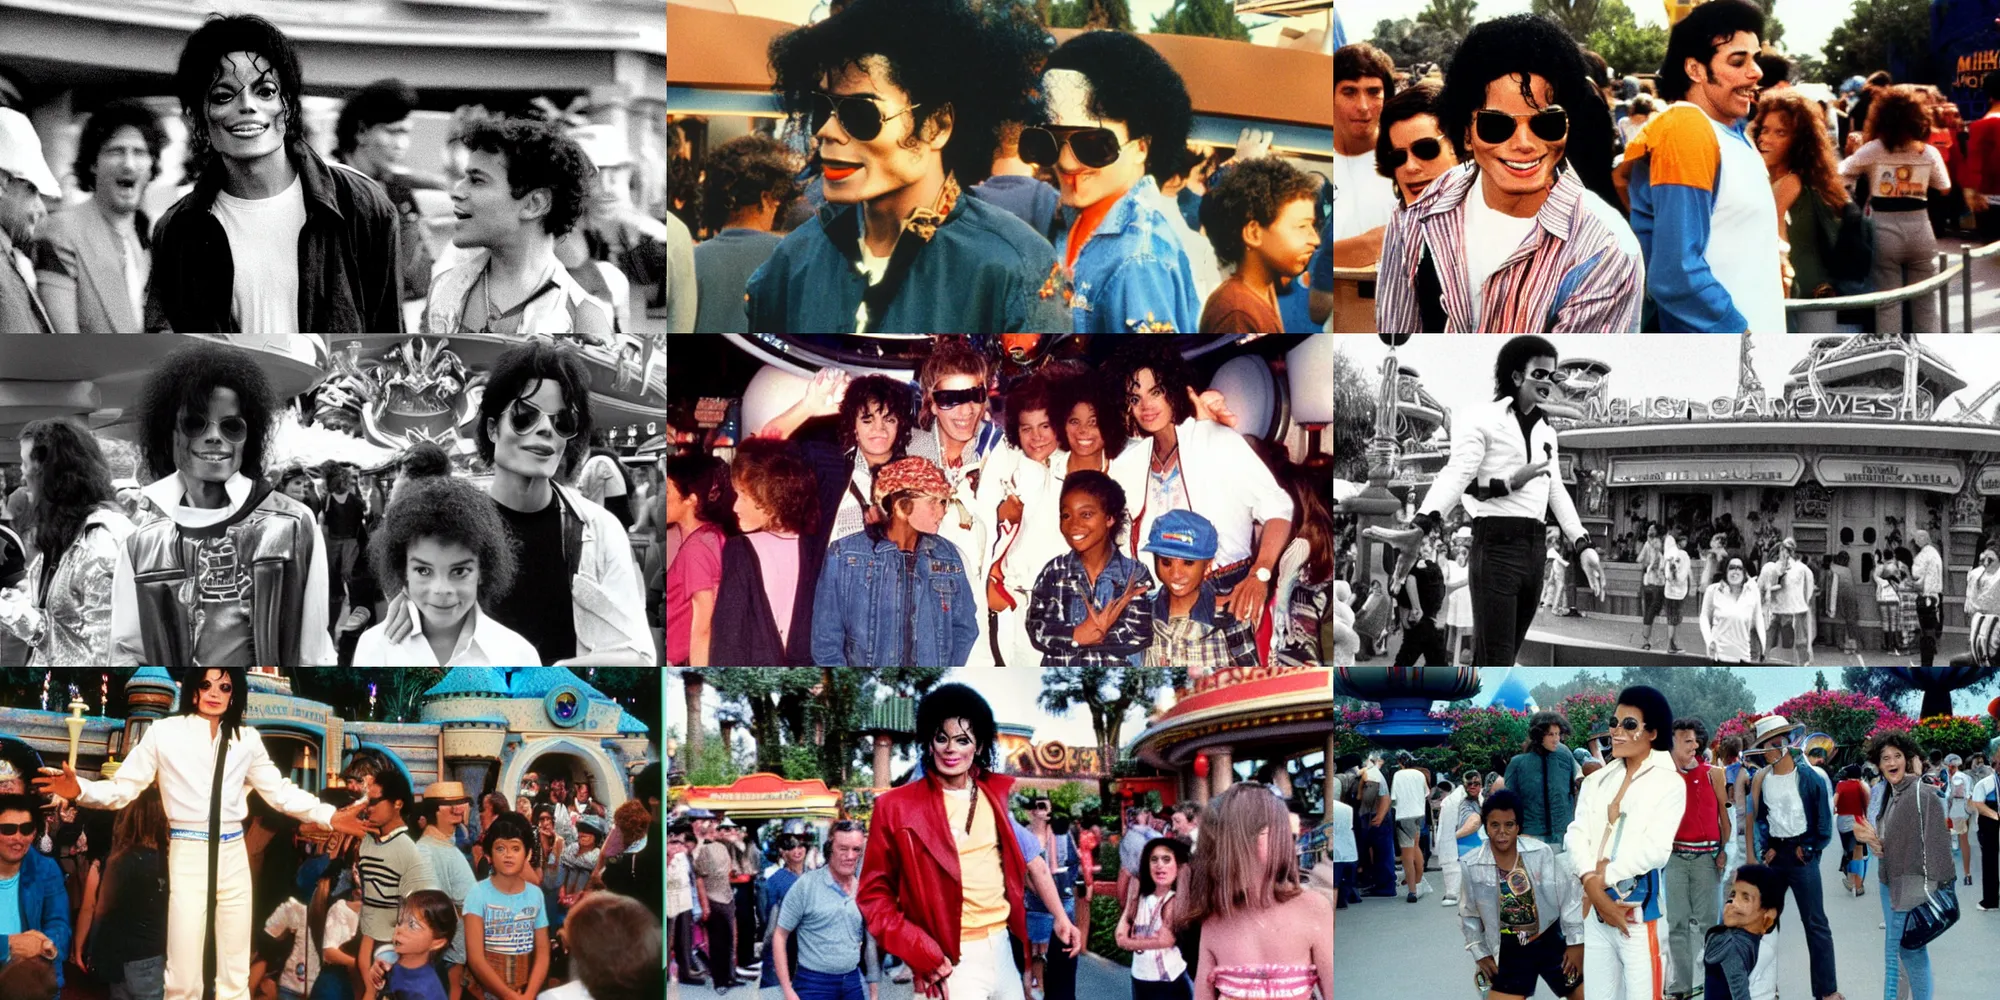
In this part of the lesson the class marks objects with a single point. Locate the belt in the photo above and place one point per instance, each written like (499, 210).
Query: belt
(1507, 526)
(202, 835)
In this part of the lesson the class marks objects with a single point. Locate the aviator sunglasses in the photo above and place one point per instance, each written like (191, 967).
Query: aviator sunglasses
(1093, 147)
(860, 117)
(1495, 127)
(234, 428)
(525, 415)
(1423, 149)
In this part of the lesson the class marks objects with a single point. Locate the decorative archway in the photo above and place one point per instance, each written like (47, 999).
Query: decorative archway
(606, 777)
(415, 788)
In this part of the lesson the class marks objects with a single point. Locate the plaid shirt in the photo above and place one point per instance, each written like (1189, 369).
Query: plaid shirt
(1057, 607)
(1206, 638)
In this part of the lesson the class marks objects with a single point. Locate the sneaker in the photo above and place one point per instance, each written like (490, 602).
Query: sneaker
(1988, 909)
(1448, 901)
(1968, 880)
(1411, 898)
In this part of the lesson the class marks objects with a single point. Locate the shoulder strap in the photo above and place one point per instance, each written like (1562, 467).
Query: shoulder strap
(208, 960)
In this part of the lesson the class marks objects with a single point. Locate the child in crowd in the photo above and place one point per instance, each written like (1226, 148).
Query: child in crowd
(1259, 218)
(1521, 911)
(1262, 934)
(895, 593)
(506, 921)
(1740, 956)
(424, 926)
(764, 601)
(1086, 609)
(442, 540)
(1189, 630)
(1146, 924)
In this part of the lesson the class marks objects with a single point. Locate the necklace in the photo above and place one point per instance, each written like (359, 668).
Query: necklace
(1161, 463)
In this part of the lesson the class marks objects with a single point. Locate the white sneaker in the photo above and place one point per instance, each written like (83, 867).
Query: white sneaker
(1423, 888)
(1448, 901)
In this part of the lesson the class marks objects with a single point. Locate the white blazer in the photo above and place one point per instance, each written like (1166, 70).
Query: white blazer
(1487, 445)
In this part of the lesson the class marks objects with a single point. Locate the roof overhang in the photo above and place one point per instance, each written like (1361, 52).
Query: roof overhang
(1844, 433)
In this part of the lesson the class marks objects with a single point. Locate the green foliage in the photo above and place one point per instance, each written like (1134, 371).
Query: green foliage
(798, 762)
(1947, 734)
(1578, 17)
(1407, 43)
(1625, 44)
(1108, 694)
(1549, 695)
(1212, 18)
(1454, 16)
(1587, 712)
(1112, 14)
(1066, 797)
(1875, 30)
(1710, 694)
(1104, 925)
(1353, 416)
(715, 765)
(1486, 737)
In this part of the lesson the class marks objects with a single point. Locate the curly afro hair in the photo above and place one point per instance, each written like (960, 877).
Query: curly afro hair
(1171, 373)
(515, 376)
(740, 172)
(1110, 496)
(1132, 83)
(1027, 396)
(1258, 190)
(538, 155)
(969, 69)
(183, 382)
(1105, 399)
(105, 123)
(450, 510)
(1524, 45)
(1888, 738)
(892, 396)
(957, 701)
(1898, 117)
(200, 66)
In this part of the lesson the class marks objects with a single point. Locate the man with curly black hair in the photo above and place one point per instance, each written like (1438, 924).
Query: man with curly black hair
(222, 568)
(747, 181)
(523, 188)
(373, 136)
(1260, 218)
(903, 98)
(92, 258)
(1118, 121)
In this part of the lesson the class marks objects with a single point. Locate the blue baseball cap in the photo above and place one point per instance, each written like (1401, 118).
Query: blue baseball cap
(1182, 534)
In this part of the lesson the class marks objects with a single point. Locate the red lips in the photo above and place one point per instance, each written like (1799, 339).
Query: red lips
(840, 173)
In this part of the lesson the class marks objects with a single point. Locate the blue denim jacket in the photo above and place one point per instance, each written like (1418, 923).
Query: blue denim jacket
(870, 612)
(1132, 275)
(45, 904)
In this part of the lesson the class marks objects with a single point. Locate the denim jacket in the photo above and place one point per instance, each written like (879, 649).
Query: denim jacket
(1558, 896)
(1813, 795)
(45, 904)
(869, 611)
(1132, 275)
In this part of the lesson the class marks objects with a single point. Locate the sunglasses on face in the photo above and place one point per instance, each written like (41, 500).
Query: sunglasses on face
(1546, 375)
(1423, 149)
(220, 686)
(234, 428)
(17, 829)
(1628, 724)
(525, 416)
(860, 117)
(945, 399)
(1093, 147)
(1495, 127)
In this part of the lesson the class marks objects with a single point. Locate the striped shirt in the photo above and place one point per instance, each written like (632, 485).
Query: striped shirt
(390, 870)
(1582, 272)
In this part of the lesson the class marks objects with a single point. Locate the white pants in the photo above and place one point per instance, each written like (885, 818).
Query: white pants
(1452, 876)
(187, 910)
(1617, 967)
(986, 970)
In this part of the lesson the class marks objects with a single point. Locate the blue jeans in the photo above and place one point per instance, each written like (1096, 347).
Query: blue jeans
(1804, 882)
(810, 985)
(1916, 963)
(1041, 926)
(145, 979)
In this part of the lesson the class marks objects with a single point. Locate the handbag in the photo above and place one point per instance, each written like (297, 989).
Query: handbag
(1939, 909)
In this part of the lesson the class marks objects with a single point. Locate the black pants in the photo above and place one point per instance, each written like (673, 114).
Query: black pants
(747, 934)
(1423, 640)
(682, 928)
(1506, 579)
(1989, 861)
(720, 919)
(1930, 622)
(1179, 989)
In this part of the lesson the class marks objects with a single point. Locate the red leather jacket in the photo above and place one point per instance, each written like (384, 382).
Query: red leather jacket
(911, 894)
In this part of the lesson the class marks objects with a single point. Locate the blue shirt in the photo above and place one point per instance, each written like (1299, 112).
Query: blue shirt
(10, 905)
(826, 923)
(1132, 275)
(510, 920)
(420, 983)
(1033, 201)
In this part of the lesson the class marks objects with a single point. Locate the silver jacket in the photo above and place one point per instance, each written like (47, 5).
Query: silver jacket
(1558, 894)
(75, 627)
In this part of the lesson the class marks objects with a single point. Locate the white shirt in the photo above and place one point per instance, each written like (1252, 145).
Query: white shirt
(1344, 847)
(1650, 811)
(1490, 238)
(179, 754)
(1793, 594)
(302, 966)
(1487, 445)
(1225, 482)
(1727, 622)
(1929, 567)
(1362, 198)
(1445, 830)
(487, 643)
(1409, 789)
(1457, 603)
(1783, 808)
(1986, 788)
(1763, 978)
(1957, 787)
(264, 250)
(1743, 233)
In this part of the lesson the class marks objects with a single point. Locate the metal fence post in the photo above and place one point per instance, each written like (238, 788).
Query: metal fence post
(1944, 294)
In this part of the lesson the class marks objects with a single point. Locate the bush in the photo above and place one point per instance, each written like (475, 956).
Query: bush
(1948, 734)
(1587, 713)
(1848, 717)
(1104, 930)
(1486, 738)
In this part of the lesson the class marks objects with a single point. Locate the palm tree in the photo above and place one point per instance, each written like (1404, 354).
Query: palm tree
(1454, 16)
(1577, 17)
(691, 685)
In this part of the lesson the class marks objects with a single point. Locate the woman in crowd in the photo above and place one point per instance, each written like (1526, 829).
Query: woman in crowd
(133, 902)
(876, 415)
(1791, 134)
(63, 610)
(1901, 168)
(1850, 803)
(1304, 594)
(1410, 148)
(1262, 936)
(1022, 486)
(697, 509)
(1909, 596)
(1889, 602)
(1146, 924)
(1458, 602)
(1908, 831)
(764, 600)
(1732, 617)
(1555, 575)
(1982, 602)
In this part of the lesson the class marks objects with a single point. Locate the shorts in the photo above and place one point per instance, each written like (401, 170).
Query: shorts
(1651, 599)
(1542, 958)
(1041, 927)
(1409, 832)
(1959, 825)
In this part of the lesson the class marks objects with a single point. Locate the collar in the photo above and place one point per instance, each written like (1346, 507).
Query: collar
(1448, 194)
(843, 222)
(167, 493)
(315, 176)
(1203, 610)
(1125, 212)
(467, 637)
(1534, 415)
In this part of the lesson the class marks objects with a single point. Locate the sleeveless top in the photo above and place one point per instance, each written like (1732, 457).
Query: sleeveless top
(1700, 820)
(1155, 965)
(1263, 982)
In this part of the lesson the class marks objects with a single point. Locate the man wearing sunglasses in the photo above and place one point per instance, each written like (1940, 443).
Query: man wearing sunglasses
(34, 906)
(903, 99)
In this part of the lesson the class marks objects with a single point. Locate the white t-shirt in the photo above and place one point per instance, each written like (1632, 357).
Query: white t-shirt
(873, 268)
(342, 923)
(1782, 805)
(264, 249)
(1408, 790)
(1362, 198)
(1344, 847)
(1957, 787)
(1985, 789)
(1901, 174)
(302, 966)
(1490, 238)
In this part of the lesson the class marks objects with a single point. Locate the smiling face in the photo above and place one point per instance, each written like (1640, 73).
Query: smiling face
(1086, 440)
(959, 423)
(1146, 399)
(874, 431)
(210, 456)
(1727, 86)
(1627, 743)
(1181, 576)
(1687, 748)
(443, 581)
(953, 747)
(123, 167)
(245, 110)
(14, 846)
(857, 170)
(1085, 524)
(483, 202)
(1525, 164)
(538, 453)
(1038, 436)
(1415, 175)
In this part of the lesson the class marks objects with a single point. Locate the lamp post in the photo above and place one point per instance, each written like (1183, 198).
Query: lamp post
(1375, 505)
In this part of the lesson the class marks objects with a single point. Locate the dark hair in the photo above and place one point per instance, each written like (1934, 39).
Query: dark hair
(1653, 713)
(615, 948)
(1257, 190)
(893, 396)
(239, 695)
(1527, 44)
(1699, 35)
(105, 123)
(507, 825)
(1698, 727)
(1770, 885)
(1171, 373)
(1360, 59)
(1991, 85)
(1131, 82)
(1174, 845)
(513, 371)
(1416, 101)
(969, 69)
(706, 478)
(779, 481)
(31, 978)
(383, 102)
(1110, 496)
(425, 458)
(183, 382)
(1503, 800)
(201, 57)
(1897, 117)
(1880, 78)
(1539, 726)
(448, 509)
(1106, 400)
(1896, 738)
(740, 172)
(1777, 69)
(956, 701)
(1514, 357)
(437, 912)
(72, 481)
(394, 787)
(539, 155)
(1027, 395)
(23, 802)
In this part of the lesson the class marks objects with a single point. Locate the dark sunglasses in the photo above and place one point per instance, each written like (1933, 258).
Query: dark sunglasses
(14, 829)
(860, 117)
(1495, 127)
(1093, 147)
(1423, 149)
(234, 429)
(945, 399)
(525, 416)
(1548, 375)
(209, 685)
(1628, 724)
(1040, 805)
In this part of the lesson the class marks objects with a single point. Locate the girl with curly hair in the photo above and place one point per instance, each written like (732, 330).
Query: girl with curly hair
(442, 543)
(63, 611)
(1791, 136)
(1899, 168)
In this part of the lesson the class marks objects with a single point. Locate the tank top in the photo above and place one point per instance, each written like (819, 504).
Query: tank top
(1700, 822)
(1155, 965)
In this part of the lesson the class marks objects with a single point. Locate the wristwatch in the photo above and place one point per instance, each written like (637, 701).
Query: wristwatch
(1263, 575)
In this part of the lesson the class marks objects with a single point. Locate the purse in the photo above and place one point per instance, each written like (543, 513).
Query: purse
(1939, 909)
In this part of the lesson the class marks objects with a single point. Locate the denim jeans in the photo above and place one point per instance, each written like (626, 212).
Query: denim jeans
(1804, 882)
(1916, 963)
(810, 985)
(145, 979)
(1690, 887)
(1506, 582)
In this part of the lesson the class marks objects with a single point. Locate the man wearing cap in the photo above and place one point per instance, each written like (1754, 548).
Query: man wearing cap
(1792, 822)
(897, 594)
(24, 181)
(712, 867)
(445, 805)
(1189, 630)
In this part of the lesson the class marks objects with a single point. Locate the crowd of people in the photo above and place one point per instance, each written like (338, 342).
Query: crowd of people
(996, 902)
(270, 235)
(946, 166)
(1645, 858)
(1531, 190)
(932, 531)
(423, 574)
(141, 885)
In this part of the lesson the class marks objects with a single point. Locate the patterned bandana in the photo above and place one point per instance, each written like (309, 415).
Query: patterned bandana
(918, 475)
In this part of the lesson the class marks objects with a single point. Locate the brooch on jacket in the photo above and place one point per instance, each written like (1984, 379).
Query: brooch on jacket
(924, 221)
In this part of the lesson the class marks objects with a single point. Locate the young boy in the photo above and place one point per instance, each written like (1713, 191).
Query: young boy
(1521, 910)
(1189, 630)
(1259, 218)
(895, 593)
(424, 926)
(506, 924)
(524, 186)
(1741, 963)
(443, 543)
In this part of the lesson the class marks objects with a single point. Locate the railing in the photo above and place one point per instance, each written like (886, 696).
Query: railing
(1939, 283)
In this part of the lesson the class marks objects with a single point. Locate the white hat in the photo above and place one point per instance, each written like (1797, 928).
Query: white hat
(1772, 725)
(21, 153)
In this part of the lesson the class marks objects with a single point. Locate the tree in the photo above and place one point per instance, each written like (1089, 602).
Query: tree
(1353, 418)
(1212, 18)
(1111, 14)
(1710, 694)
(1819, 680)
(1549, 696)
(691, 686)
(1578, 17)
(1108, 693)
(1774, 29)
(397, 691)
(1454, 16)
(713, 765)
(1626, 45)
(1878, 32)
(1409, 44)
